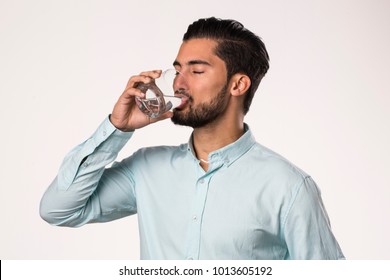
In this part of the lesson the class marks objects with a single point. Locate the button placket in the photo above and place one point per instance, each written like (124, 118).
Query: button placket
(196, 218)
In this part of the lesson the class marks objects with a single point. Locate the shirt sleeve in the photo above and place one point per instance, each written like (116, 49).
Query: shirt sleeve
(307, 230)
(85, 191)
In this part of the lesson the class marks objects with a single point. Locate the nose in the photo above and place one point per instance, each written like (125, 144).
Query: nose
(180, 83)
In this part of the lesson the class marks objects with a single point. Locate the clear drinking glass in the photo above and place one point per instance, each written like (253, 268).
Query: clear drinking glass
(159, 95)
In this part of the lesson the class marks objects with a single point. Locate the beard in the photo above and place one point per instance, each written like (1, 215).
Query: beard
(203, 114)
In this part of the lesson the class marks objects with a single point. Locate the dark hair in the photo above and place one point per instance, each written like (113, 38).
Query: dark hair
(240, 49)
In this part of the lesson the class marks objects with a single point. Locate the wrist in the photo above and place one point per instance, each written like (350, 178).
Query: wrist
(119, 126)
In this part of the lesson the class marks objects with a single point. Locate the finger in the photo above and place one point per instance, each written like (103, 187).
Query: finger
(134, 80)
(153, 74)
(132, 91)
(144, 77)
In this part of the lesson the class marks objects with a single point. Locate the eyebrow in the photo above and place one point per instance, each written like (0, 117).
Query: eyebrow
(192, 62)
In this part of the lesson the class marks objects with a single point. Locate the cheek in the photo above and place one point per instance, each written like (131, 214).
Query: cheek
(206, 89)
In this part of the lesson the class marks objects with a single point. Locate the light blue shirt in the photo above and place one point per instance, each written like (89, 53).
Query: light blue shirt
(250, 204)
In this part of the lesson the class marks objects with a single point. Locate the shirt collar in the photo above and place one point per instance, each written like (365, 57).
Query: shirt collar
(230, 153)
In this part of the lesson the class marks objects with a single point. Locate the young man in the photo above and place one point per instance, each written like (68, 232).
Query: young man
(219, 196)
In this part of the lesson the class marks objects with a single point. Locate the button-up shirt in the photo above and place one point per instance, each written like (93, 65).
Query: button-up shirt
(251, 203)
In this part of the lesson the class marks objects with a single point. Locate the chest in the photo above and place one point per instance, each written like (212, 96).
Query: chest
(211, 213)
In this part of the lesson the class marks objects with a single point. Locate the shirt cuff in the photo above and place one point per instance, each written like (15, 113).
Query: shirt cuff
(107, 130)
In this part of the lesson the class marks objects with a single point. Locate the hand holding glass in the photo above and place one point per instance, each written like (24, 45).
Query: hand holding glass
(159, 95)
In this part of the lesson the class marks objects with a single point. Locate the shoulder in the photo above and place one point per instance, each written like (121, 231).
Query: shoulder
(275, 164)
(156, 151)
(156, 155)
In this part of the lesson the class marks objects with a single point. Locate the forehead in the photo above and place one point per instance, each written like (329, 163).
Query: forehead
(198, 50)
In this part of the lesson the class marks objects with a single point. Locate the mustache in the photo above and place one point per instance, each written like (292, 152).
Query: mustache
(184, 93)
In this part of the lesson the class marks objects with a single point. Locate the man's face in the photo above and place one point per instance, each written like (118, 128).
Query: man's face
(201, 82)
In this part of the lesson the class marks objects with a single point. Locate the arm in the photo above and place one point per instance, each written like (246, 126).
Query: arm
(85, 190)
(307, 230)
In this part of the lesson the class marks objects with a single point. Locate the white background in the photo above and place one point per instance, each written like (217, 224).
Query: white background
(324, 105)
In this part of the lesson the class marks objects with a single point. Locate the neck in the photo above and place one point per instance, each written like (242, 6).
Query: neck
(215, 136)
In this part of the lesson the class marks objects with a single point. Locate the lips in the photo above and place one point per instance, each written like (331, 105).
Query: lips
(184, 100)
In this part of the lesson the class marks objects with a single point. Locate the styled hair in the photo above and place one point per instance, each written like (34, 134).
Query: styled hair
(240, 49)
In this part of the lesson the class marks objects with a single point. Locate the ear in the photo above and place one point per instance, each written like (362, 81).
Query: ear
(240, 83)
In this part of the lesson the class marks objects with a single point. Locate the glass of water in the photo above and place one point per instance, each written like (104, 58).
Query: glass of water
(159, 95)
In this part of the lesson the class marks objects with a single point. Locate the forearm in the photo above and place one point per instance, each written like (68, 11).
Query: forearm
(72, 198)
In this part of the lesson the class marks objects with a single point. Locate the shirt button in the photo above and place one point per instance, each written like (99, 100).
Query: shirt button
(104, 133)
(194, 218)
(201, 181)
